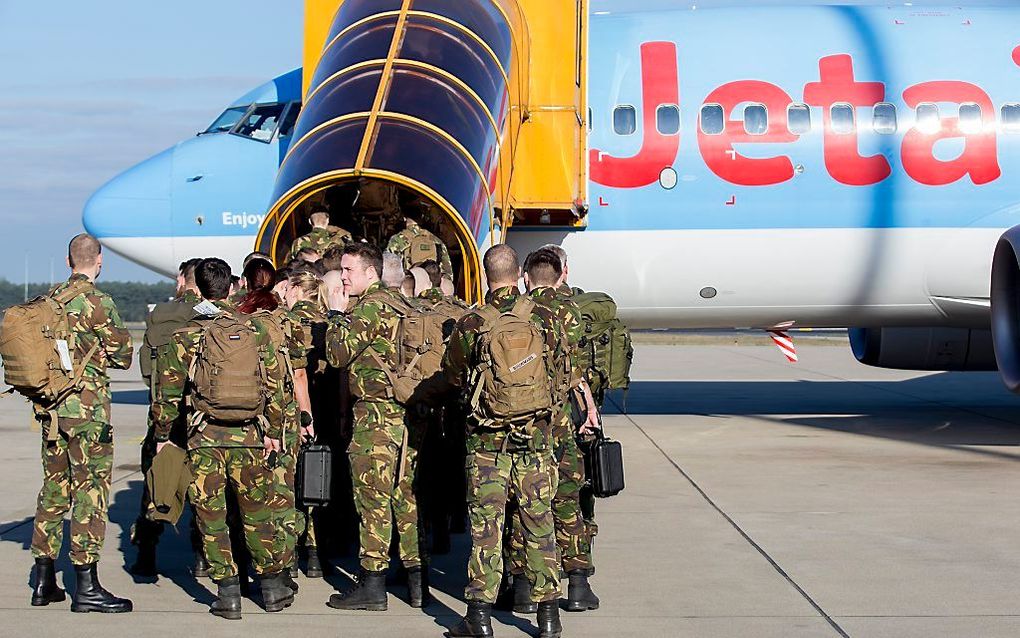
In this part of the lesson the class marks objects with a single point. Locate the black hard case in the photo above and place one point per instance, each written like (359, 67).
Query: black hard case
(605, 466)
(314, 479)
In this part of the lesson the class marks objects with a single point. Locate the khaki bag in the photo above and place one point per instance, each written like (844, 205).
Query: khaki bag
(31, 341)
(229, 380)
(516, 380)
(160, 325)
(420, 343)
(422, 248)
(605, 348)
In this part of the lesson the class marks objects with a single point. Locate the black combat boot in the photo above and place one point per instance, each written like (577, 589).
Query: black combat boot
(289, 575)
(505, 593)
(145, 562)
(477, 623)
(522, 596)
(228, 599)
(418, 586)
(276, 595)
(368, 594)
(580, 597)
(313, 567)
(201, 567)
(46, 590)
(89, 595)
(549, 619)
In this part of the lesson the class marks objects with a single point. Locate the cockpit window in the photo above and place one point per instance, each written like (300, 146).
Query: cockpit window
(290, 119)
(228, 119)
(260, 123)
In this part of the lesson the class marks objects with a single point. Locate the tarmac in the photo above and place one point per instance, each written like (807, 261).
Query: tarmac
(763, 498)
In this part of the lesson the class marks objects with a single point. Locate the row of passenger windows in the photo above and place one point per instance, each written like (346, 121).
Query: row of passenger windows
(799, 120)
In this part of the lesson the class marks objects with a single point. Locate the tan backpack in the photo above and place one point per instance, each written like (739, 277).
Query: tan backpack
(420, 343)
(38, 347)
(422, 248)
(227, 375)
(516, 380)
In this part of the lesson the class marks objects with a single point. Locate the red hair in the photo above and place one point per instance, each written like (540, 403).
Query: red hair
(261, 299)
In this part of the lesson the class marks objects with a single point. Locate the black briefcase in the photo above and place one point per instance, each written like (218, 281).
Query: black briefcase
(605, 465)
(314, 478)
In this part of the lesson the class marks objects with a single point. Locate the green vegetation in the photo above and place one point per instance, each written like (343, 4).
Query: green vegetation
(132, 297)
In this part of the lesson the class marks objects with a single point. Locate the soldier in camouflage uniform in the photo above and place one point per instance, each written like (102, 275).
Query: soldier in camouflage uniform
(382, 452)
(77, 450)
(322, 236)
(498, 468)
(225, 454)
(415, 244)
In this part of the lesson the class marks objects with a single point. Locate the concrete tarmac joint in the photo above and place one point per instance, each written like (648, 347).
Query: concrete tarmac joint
(763, 499)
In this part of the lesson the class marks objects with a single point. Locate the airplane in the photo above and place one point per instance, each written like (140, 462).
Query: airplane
(765, 165)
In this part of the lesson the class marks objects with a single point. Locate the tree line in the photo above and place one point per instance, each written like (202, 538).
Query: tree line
(132, 297)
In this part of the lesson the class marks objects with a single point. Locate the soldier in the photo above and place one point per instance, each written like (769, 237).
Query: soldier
(159, 326)
(414, 244)
(235, 435)
(322, 236)
(393, 272)
(382, 452)
(507, 459)
(77, 450)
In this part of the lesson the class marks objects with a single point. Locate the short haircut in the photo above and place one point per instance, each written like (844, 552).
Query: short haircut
(370, 256)
(188, 270)
(501, 264)
(320, 214)
(83, 251)
(309, 254)
(407, 285)
(213, 278)
(431, 268)
(331, 258)
(558, 250)
(543, 268)
(282, 275)
(392, 270)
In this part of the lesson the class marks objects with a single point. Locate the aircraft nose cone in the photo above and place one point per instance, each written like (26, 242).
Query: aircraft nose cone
(135, 203)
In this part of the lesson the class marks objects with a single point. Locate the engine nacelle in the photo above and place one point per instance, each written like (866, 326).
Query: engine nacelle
(1005, 298)
(945, 349)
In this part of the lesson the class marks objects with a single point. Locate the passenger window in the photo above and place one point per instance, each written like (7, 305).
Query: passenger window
(667, 119)
(712, 122)
(290, 119)
(260, 123)
(227, 120)
(970, 118)
(1011, 118)
(842, 119)
(883, 120)
(756, 119)
(798, 119)
(625, 120)
(928, 120)
(591, 114)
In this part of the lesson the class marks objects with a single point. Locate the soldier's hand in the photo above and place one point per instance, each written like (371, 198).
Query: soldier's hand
(308, 433)
(270, 445)
(338, 298)
(592, 424)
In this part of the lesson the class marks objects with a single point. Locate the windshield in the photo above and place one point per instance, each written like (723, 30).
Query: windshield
(260, 123)
(227, 121)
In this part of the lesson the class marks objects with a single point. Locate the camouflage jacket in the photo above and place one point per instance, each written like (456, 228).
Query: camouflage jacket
(354, 341)
(400, 244)
(461, 356)
(435, 295)
(304, 315)
(569, 316)
(172, 388)
(320, 239)
(93, 317)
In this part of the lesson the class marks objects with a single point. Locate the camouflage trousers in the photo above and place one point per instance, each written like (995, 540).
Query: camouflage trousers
(494, 478)
(572, 541)
(381, 493)
(244, 470)
(77, 468)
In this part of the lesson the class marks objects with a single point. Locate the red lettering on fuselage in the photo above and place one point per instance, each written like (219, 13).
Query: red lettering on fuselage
(660, 84)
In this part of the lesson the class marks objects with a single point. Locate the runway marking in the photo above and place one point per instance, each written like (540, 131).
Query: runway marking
(811, 601)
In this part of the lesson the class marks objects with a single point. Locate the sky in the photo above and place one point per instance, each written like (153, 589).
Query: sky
(89, 89)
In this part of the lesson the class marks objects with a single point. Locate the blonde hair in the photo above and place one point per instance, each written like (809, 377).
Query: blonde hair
(310, 286)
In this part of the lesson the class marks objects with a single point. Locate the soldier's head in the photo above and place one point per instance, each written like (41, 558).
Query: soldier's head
(186, 276)
(253, 256)
(502, 267)
(422, 281)
(432, 269)
(319, 217)
(542, 268)
(309, 255)
(213, 279)
(407, 286)
(446, 285)
(392, 270)
(360, 267)
(331, 258)
(305, 286)
(562, 254)
(85, 255)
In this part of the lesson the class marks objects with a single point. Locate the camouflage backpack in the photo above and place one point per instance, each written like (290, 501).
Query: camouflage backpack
(420, 340)
(160, 325)
(516, 379)
(38, 345)
(227, 374)
(422, 247)
(606, 351)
